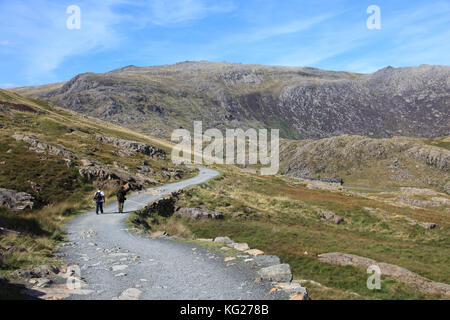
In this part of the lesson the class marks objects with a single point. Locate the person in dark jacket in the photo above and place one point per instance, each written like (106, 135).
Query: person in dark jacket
(121, 198)
(99, 198)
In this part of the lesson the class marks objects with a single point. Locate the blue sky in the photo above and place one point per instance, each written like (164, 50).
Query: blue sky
(36, 47)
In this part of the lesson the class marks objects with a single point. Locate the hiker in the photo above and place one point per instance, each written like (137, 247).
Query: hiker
(121, 198)
(99, 198)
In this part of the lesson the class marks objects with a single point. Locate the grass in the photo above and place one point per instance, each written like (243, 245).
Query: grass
(278, 218)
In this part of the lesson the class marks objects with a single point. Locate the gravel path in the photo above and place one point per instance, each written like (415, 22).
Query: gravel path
(117, 264)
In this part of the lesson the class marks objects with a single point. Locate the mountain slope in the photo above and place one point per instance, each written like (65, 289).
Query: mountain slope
(302, 102)
(51, 161)
(375, 163)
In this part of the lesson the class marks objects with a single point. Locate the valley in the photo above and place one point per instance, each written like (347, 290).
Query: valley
(384, 135)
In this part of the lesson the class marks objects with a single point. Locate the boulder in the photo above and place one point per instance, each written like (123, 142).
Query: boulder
(292, 288)
(16, 200)
(278, 273)
(328, 216)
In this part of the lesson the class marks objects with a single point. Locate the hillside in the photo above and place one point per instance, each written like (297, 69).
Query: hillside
(302, 102)
(385, 164)
(51, 161)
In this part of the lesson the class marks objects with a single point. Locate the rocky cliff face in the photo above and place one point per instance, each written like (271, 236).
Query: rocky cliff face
(302, 102)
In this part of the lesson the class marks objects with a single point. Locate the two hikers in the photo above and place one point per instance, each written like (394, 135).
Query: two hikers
(121, 197)
(99, 199)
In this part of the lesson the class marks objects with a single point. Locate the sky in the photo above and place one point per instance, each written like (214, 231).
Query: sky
(38, 47)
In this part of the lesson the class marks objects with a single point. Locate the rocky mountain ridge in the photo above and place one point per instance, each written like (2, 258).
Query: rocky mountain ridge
(301, 102)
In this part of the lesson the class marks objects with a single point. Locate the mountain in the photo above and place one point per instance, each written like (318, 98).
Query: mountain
(303, 103)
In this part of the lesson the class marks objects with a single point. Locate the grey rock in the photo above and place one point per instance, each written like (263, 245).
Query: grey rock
(16, 200)
(266, 261)
(328, 216)
(225, 240)
(279, 273)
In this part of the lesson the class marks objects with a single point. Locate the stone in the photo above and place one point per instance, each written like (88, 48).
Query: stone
(292, 288)
(266, 261)
(255, 252)
(119, 267)
(119, 275)
(227, 259)
(239, 246)
(299, 296)
(328, 216)
(279, 273)
(205, 240)
(130, 294)
(15, 200)
(225, 240)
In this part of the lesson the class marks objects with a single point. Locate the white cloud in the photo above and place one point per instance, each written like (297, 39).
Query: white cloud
(407, 38)
(43, 40)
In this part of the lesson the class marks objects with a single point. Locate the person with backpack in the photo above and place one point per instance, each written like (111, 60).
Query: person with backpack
(121, 198)
(99, 198)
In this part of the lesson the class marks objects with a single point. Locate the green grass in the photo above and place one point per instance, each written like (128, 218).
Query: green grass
(271, 215)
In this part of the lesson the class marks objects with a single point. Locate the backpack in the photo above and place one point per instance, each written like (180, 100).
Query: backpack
(97, 196)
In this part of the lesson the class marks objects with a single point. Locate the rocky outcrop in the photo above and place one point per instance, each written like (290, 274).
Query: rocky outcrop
(134, 146)
(40, 146)
(438, 157)
(328, 216)
(16, 200)
(198, 213)
(96, 172)
(310, 103)
(401, 274)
